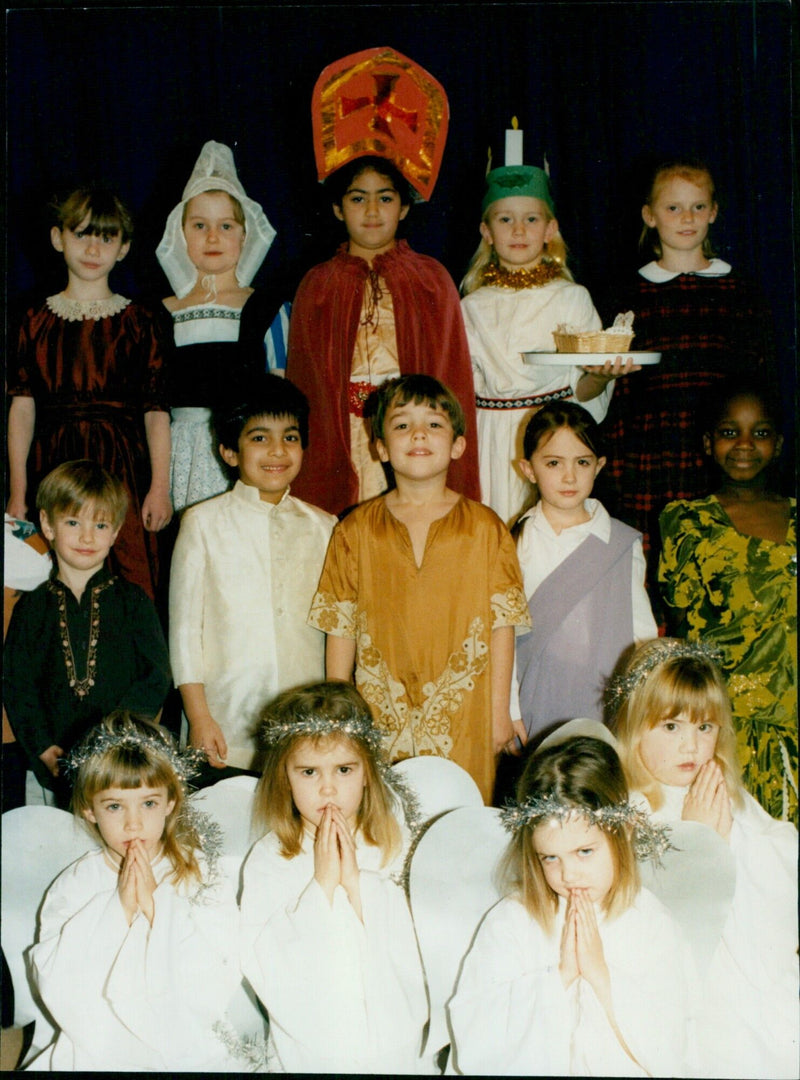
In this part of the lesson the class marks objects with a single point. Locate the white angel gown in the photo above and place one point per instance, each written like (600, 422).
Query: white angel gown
(749, 1019)
(511, 1014)
(501, 325)
(342, 996)
(139, 997)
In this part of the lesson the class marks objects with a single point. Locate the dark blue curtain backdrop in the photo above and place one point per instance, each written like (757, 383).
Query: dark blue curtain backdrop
(129, 94)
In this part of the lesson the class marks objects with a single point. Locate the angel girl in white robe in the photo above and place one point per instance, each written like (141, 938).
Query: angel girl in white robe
(328, 942)
(577, 971)
(678, 747)
(136, 957)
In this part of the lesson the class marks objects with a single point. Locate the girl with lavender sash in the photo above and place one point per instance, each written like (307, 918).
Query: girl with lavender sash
(583, 572)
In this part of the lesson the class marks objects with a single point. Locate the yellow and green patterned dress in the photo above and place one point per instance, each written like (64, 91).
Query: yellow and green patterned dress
(739, 594)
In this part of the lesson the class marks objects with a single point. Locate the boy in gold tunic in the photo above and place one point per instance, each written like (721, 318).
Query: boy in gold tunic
(421, 592)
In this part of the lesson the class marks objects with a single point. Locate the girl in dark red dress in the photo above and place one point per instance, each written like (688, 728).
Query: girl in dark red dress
(90, 382)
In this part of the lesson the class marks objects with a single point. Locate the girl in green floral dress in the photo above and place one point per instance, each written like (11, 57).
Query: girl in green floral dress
(728, 572)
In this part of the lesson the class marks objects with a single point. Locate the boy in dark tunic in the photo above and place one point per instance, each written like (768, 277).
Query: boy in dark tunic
(86, 642)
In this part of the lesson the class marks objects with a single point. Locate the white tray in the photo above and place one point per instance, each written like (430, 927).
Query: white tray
(562, 359)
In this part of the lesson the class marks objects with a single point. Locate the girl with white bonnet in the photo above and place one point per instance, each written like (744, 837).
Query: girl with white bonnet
(224, 330)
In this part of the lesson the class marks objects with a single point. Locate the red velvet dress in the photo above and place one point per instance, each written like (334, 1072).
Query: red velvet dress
(93, 380)
(431, 339)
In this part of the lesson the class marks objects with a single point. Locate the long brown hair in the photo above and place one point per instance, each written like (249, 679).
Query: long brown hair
(562, 414)
(586, 774)
(332, 707)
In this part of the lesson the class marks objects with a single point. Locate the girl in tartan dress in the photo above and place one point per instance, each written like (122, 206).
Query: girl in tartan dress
(706, 320)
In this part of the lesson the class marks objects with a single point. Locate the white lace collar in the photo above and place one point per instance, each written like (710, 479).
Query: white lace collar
(76, 310)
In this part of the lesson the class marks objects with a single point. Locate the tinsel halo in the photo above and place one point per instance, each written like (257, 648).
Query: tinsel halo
(316, 726)
(193, 827)
(124, 731)
(363, 731)
(656, 652)
(650, 841)
(209, 836)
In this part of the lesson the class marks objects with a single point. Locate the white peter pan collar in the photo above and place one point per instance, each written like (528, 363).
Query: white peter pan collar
(657, 274)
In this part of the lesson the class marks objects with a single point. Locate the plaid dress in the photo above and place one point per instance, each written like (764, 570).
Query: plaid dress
(706, 328)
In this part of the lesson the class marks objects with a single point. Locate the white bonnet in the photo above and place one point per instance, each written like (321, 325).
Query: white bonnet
(214, 170)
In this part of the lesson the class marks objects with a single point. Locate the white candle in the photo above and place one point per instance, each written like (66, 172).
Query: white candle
(513, 144)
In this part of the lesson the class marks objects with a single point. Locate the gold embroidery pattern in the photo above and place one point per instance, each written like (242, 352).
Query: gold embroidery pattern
(80, 687)
(423, 728)
(510, 608)
(333, 616)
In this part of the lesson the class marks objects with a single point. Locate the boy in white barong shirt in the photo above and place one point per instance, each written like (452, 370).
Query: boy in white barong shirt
(244, 572)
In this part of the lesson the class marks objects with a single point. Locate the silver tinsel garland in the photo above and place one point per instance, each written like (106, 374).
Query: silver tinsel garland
(317, 726)
(251, 1050)
(365, 733)
(185, 763)
(197, 826)
(210, 839)
(405, 794)
(361, 731)
(650, 841)
(658, 652)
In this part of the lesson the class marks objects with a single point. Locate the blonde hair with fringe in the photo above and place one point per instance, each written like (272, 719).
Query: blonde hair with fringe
(695, 172)
(587, 774)
(128, 766)
(555, 251)
(274, 809)
(690, 685)
(73, 485)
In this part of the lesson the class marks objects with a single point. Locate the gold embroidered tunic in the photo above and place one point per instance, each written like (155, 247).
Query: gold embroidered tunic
(423, 634)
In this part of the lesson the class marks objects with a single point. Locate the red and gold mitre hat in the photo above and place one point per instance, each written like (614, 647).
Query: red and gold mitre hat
(380, 102)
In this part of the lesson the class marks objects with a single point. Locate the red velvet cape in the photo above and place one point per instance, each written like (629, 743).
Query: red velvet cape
(431, 339)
